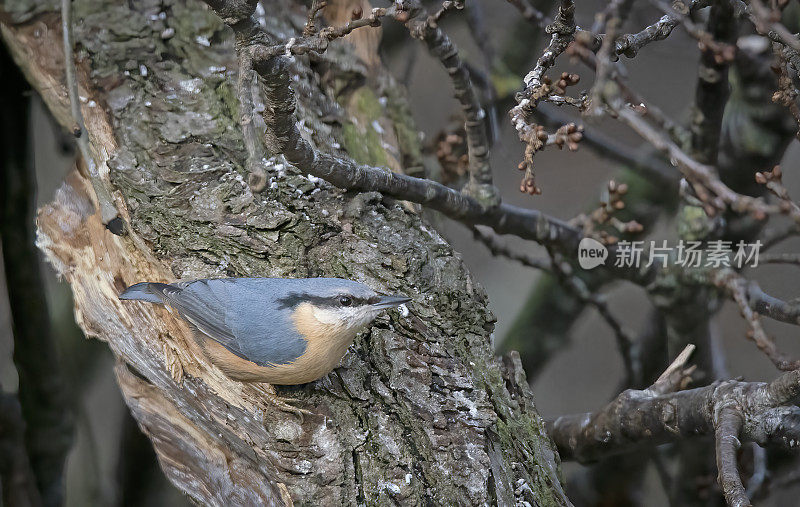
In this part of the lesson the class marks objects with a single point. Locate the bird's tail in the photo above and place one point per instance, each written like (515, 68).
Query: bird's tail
(151, 292)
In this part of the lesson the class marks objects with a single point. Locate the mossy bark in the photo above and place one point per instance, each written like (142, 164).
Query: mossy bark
(419, 412)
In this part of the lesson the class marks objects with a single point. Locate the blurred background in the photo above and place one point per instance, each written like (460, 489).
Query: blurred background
(111, 463)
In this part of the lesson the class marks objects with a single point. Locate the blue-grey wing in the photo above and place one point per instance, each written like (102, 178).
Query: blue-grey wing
(202, 308)
(241, 315)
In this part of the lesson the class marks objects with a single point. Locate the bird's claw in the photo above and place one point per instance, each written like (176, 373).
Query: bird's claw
(286, 405)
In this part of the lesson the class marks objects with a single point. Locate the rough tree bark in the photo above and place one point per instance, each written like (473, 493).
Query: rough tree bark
(420, 410)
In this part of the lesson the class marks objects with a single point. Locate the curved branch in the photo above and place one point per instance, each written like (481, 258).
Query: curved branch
(439, 45)
(727, 444)
(284, 137)
(730, 410)
(771, 306)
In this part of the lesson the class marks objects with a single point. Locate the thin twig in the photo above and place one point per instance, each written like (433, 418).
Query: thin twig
(426, 29)
(447, 7)
(698, 173)
(497, 248)
(538, 87)
(316, 7)
(779, 258)
(737, 288)
(705, 39)
(648, 164)
(562, 31)
(256, 176)
(633, 99)
(531, 14)
(108, 211)
(677, 375)
(609, 21)
(574, 284)
(623, 339)
(318, 42)
(628, 44)
(763, 20)
(773, 181)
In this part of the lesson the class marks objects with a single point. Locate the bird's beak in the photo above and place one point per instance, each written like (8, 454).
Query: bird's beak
(390, 302)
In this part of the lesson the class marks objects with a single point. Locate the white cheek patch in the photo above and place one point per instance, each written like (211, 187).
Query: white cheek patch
(365, 315)
(327, 316)
(348, 317)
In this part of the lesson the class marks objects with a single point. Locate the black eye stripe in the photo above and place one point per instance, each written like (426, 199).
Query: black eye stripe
(295, 299)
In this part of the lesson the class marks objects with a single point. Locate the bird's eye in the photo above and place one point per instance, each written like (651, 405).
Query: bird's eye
(345, 301)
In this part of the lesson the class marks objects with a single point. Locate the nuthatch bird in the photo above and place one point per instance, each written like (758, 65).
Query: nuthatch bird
(275, 330)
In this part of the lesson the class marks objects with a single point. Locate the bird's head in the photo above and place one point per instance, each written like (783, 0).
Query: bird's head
(339, 303)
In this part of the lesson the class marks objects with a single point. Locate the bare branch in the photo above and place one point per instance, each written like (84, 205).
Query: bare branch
(480, 186)
(780, 258)
(628, 44)
(316, 7)
(283, 137)
(108, 210)
(771, 306)
(633, 99)
(609, 20)
(574, 284)
(562, 31)
(704, 38)
(767, 23)
(696, 172)
(712, 89)
(727, 444)
(447, 7)
(538, 87)
(640, 161)
(677, 375)
(318, 42)
(737, 288)
(729, 410)
(530, 13)
(440, 46)
(773, 180)
(497, 248)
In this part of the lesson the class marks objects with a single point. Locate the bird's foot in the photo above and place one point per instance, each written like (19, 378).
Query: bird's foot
(286, 404)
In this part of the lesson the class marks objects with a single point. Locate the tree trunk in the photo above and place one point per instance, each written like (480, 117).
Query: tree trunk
(420, 411)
